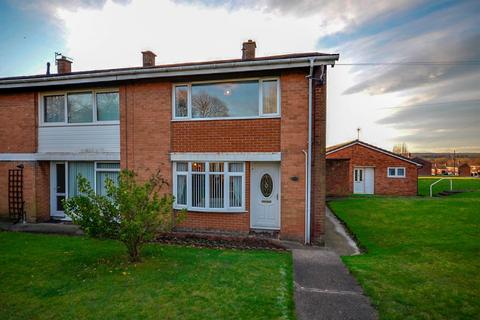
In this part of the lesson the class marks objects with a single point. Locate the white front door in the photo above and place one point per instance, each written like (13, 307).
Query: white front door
(363, 180)
(58, 188)
(265, 195)
(369, 180)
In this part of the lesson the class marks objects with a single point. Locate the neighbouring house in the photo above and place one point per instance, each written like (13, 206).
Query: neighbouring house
(241, 141)
(426, 169)
(361, 168)
(465, 170)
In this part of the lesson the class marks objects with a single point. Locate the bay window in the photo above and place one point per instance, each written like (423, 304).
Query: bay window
(227, 99)
(209, 186)
(80, 107)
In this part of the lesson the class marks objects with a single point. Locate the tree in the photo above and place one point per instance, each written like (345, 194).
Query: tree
(206, 106)
(130, 212)
(401, 149)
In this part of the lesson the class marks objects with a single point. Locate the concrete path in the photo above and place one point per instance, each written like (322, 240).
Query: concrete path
(324, 289)
(337, 238)
(51, 228)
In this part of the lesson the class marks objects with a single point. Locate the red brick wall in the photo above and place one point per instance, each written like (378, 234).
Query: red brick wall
(294, 135)
(426, 170)
(18, 131)
(145, 128)
(35, 189)
(43, 191)
(338, 177)
(251, 135)
(361, 156)
(318, 156)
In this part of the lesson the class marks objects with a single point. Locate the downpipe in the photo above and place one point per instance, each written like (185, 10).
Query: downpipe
(309, 156)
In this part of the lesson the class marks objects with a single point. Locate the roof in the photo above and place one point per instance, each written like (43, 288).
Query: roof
(341, 146)
(296, 60)
(421, 160)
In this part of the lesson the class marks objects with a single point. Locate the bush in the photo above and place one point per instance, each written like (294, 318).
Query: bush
(130, 212)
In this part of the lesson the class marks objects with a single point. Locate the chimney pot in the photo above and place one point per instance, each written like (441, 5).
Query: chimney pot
(64, 65)
(248, 50)
(148, 58)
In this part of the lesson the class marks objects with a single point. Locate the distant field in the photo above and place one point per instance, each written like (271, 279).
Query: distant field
(459, 183)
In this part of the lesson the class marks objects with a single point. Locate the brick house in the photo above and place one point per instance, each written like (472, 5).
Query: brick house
(241, 141)
(464, 170)
(359, 167)
(426, 169)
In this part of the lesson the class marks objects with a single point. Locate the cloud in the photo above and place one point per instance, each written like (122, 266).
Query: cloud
(115, 35)
(441, 102)
(332, 15)
(50, 6)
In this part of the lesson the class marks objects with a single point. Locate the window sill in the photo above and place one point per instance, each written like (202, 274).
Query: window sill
(85, 124)
(393, 177)
(227, 118)
(212, 211)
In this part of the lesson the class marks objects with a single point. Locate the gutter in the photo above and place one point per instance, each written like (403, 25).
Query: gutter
(163, 72)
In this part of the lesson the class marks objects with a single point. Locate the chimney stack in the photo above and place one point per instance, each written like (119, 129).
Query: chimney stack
(248, 50)
(148, 58)
(64, 65)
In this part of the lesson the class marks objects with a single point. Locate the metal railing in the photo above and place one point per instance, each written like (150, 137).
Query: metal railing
(431, 186)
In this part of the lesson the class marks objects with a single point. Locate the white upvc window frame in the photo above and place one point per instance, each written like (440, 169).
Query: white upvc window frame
(396, 172)
(53, 175)
(41, 108)
(226, 186)
(260, 99)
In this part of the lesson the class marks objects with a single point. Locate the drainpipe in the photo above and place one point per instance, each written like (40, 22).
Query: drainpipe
(309, 155)
(307, 232)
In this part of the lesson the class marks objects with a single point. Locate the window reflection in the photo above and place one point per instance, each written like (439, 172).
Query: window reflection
(237, 99)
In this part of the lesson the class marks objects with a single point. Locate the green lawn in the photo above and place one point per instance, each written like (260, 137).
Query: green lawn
(56, 277)
(458, 183)
(423, 254)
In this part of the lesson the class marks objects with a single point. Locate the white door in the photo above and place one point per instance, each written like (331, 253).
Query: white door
(363, 180)
(58, 188)
(369, 180)
(265, 195)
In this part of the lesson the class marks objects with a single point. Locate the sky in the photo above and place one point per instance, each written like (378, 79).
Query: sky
(409, 70)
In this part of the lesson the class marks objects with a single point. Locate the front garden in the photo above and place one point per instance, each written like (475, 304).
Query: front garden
(58, 277)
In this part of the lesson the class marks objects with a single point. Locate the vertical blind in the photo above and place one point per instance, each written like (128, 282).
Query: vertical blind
(85, 169)
(97, 177)
(209, 185)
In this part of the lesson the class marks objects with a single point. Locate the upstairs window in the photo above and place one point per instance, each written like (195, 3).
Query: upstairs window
(107, 106)
(234, 99)
(81, 107)
(54, 109)
(396, 172)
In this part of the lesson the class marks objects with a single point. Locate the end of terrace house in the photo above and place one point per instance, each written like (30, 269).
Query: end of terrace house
(241, 141)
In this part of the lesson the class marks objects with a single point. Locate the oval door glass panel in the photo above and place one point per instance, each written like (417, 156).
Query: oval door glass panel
(266, 185)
